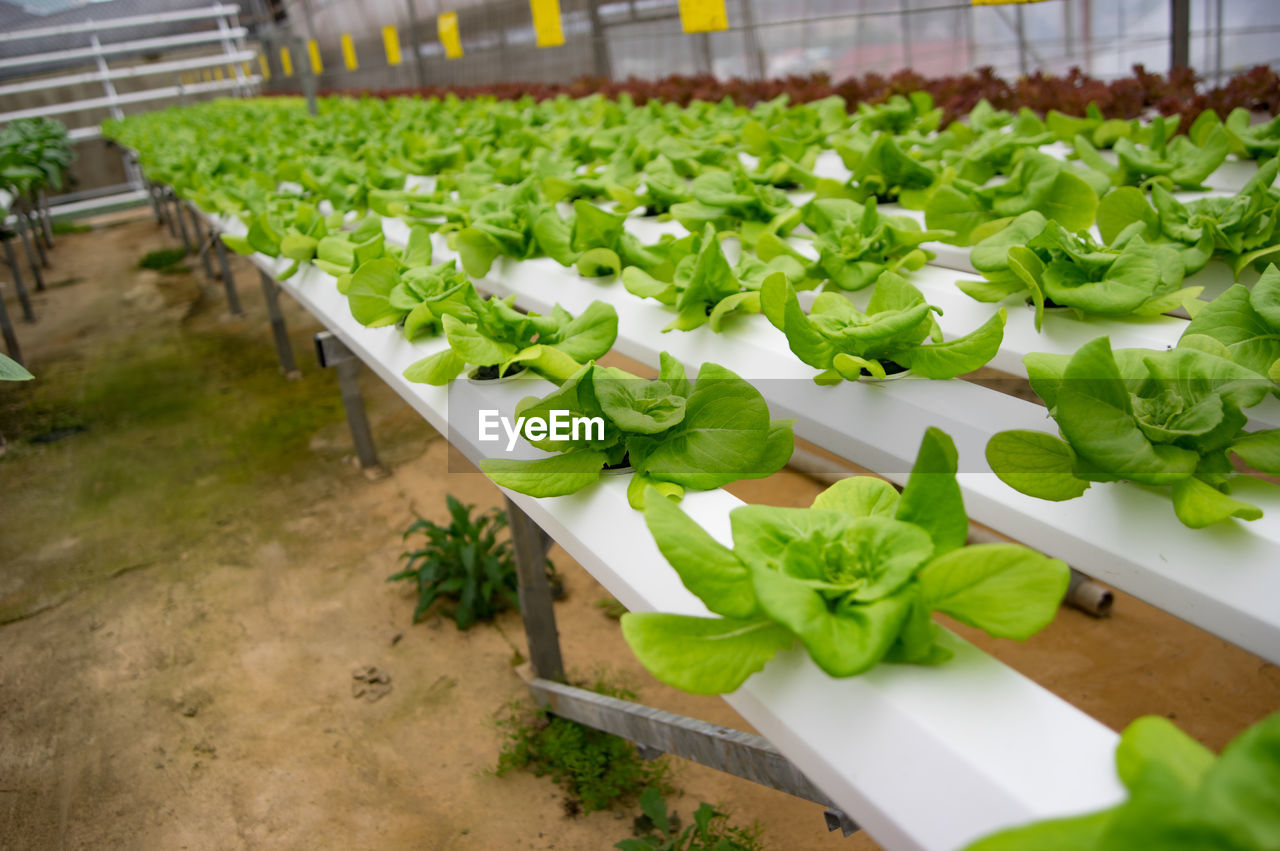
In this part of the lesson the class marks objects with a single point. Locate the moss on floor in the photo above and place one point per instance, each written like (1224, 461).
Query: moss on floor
(182, 434)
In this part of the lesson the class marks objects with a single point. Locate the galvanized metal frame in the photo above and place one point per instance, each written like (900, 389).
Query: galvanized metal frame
(654, 731)
(332, 353)
(226, 32)
(284, 349)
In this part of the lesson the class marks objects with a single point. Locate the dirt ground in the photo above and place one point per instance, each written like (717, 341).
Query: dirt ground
(191, 575)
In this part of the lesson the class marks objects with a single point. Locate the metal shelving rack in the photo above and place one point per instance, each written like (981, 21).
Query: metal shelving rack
(224, 31)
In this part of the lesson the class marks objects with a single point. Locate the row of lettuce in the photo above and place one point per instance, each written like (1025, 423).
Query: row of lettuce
(856, 577)
(35, 154)
(501, 176)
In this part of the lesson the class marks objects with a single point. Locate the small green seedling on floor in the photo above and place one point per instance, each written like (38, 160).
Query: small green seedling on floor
(659, 830)
(64, 227)
(164, 260)
(595, 769)
(465, 562)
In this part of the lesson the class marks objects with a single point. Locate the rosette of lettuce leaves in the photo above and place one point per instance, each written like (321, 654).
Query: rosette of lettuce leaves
(675, 432)
(1242, 325)
(1040, 258)
(896, 332)
(1167, 419)
(1181, 797)
(492, 335)
(855, 578)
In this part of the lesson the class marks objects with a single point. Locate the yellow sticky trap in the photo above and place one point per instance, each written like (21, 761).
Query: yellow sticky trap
(546, 22)
(217, 73)
(265, 66)
(447, 29)
(391, 43)
(703, 16)
(244, 69)
(286, 62)
(349, 53)
(313, 51)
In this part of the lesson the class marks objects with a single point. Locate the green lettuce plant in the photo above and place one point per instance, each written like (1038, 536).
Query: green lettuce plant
(731, 200)
(890, 335)
(1038, 182)
(1102, 132)
(1242, 230)
(595, 242)
(913, 112)
(703, 288)
(884, 171)
(996, 142)
(1180, 162)
(1181, 797)
(855, 243)
(1242, 325)
(674, 432)
(1168, 419)
(1040, 258)
(1255, 141)
(855, 578)
(500, 223)
(492, 335)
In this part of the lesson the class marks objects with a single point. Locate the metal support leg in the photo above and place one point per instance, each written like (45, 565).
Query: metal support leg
(34, 228)
(283, 348)
(6, 330)
(332, 352)
(32, 259)
(41, 209)
(531, 545)
(150, 189)
(202, 248)
(182, 222)
(27, 313)
(228, 280)
(162, 198)
(653, 730)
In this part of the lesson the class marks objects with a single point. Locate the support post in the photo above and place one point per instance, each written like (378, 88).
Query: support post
(202, 247)
(1217, 44)
(531, 544)
(284, 350)
(228, 280)
(28, 315)
(332, 352)
(1022, 40)
(702, 53)
(151, 199)
(41, 211)
(308, 75)
(755, 53)
(905, 15)
(33, 259)
(37, 237)
(182, 220)
(1179, 33)
(162, 198)
(599, 43)
(10, 337)
(414, 43)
